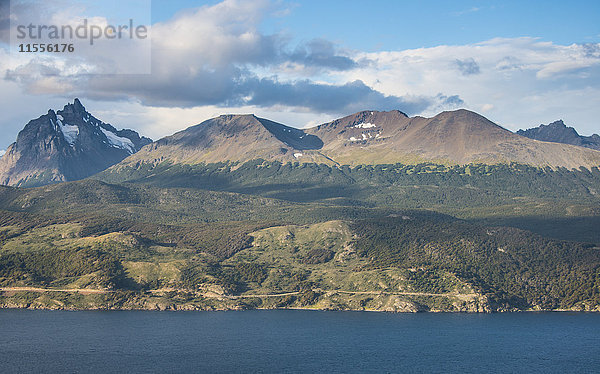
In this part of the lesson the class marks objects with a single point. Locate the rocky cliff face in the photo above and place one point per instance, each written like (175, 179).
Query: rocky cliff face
(65, 145)
(558, 132)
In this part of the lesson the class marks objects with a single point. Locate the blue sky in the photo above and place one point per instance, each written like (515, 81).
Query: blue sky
(302, 63)
(391, 25)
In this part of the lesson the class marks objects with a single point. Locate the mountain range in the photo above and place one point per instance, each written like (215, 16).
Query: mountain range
(65, 145)
(72, 144)
(373, 211)
(364, 138)
(558, 132)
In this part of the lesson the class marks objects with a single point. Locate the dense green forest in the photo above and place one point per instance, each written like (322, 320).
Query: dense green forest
(265, 234)
(560, 203)
(320, 181)
(513, 267)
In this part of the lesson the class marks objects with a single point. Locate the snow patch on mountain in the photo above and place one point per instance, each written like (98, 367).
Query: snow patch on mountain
(70, 132)
(117, 141)
(365, 125)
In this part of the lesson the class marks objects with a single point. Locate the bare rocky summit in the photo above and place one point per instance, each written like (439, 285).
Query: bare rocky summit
(363, 138)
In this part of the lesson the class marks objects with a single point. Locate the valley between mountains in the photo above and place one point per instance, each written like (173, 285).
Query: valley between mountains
(373, 211)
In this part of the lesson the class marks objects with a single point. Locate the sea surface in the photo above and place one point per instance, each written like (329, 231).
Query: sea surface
(281, 341)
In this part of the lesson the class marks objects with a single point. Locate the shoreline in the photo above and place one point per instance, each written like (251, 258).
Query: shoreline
(83, 299)
(200, 309)
(297, 309)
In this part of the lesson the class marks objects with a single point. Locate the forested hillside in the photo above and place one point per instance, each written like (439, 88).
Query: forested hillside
(271, 235)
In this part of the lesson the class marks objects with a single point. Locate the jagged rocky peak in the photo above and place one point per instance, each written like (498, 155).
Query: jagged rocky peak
(64, 145)
(557, 129)
(559, 132)
(76, 107)
(559, 123)
(73, 119)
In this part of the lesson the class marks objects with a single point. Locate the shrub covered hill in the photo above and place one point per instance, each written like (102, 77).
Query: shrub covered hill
(374, 211)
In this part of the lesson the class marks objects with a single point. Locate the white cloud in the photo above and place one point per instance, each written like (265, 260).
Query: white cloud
(518, 82)
(217, 56)
(92, 53)
(487, 107)
(157, 122)
(18, 108)
(214, 60)
(553, 69)
(466, 11)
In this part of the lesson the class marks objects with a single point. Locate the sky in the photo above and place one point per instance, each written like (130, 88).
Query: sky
(303, 63)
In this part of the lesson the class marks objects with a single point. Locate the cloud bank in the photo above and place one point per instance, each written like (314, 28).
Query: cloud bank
(216, 55)
(516, 82)
(216, 59)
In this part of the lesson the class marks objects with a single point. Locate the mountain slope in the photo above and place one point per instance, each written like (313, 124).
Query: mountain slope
(135, 246)
(455, 137)
(65, 145)
(558, 132)
(369, 137)
(231, 138)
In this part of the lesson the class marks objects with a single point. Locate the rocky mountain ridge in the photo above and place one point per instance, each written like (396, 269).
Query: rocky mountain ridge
(71, 144)
(363, 138)
(65, 145)
(558, 132)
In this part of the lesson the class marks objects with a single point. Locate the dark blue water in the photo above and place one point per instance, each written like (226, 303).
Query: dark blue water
(297, 341)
